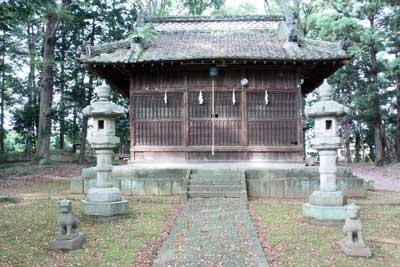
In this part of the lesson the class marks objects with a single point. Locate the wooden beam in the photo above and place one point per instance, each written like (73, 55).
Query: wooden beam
(244, 137)
(132, 117)
(294, 148)
(186, 113)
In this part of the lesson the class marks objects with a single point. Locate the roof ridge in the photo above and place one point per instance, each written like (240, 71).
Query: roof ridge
(215, 18)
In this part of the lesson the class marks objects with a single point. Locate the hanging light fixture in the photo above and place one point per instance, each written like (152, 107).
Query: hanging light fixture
(233, 97)
(266, 97)
(165, 97)
(201, 99)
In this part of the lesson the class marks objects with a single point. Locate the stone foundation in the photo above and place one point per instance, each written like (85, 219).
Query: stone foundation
(275, 183)
(104, 208)
(68, 244)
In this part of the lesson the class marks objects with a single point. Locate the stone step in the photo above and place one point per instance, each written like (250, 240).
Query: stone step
(215, 177)
(213, 182)
(215, 171)
(227, 194)
(215, 188)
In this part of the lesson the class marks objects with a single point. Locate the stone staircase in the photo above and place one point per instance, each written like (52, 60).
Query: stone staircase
(217, 184)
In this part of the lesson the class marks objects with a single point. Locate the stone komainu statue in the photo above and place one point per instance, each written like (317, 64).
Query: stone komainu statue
(353, 243)
(67, 223)
(68, 236)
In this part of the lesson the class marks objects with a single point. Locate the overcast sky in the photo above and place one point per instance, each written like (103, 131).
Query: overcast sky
(259, 4)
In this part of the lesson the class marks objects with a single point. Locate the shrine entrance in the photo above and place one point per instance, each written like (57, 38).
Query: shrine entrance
(227, 119)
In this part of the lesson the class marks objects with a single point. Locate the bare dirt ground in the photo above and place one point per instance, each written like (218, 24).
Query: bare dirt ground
(21, 177)
(385, 178)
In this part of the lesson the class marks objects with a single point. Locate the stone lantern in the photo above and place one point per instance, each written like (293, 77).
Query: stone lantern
(104, 199)
(327, 204)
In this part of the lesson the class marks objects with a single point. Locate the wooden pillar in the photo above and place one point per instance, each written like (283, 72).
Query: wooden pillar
(186, 116)
(245, 140)
(132, 117)
(300, 106)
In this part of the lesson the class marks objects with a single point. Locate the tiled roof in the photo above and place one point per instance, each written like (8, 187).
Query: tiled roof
(198, 38)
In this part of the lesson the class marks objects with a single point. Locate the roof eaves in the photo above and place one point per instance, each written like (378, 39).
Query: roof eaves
(215, 18)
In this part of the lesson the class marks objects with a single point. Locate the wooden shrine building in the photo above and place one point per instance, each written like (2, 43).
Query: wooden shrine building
(216, 88)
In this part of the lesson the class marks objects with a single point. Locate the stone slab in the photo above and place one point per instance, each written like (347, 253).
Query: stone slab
(151, 187)
(253, 186)
(299, 187)
(126, 187)
(272, 188)
(165, 187)
(138, 188)
(104, 208)
(212, 232)
(324, 214)
(355, 252)
(68, 244)
(177, 187)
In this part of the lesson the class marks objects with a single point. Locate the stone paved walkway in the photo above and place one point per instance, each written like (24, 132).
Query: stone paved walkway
(212, 232)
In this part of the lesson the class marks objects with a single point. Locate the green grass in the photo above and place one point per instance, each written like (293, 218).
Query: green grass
(302, 244)
(26, 229)
(48, 188)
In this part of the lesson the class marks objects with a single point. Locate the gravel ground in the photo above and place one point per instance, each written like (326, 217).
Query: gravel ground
(385, 178)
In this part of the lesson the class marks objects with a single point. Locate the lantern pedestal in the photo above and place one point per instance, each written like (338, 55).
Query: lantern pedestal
(324, 214)
(104, 208)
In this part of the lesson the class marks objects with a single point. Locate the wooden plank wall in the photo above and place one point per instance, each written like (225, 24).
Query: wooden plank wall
(184, 126)
(275, 123)
(227, 125)
(157, 123)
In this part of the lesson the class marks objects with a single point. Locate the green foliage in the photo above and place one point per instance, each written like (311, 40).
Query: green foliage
(144, 33)
(197, 7)
(243, 9)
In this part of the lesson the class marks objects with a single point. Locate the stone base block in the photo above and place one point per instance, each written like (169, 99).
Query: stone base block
(324, 215)
(68, 244)
(321, 198)
(109, 194)
(355, 251)
(104, 208)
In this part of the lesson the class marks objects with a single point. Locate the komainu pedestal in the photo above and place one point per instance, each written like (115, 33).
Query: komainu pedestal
(68, 237)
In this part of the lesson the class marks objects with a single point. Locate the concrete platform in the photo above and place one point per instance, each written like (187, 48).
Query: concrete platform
(263, 179)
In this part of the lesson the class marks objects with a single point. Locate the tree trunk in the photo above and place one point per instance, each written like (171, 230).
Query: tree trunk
(46, 92)
(62, 89)
(346, 139)
(2, 93)
(85, 121)
(31, 88)
(397, 137)
(82, 148)
(379, 154)
(357, 146)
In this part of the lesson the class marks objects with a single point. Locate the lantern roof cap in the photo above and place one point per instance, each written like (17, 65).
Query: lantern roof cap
(326, 107)
(103, 107)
